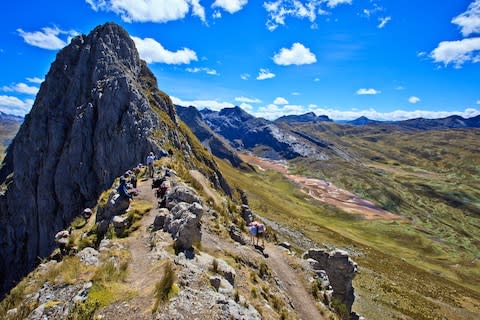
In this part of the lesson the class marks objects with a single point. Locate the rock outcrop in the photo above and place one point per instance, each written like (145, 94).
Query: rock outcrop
(98, 113)
(340, 270)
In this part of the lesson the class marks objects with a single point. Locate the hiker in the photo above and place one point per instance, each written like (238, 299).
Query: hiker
(252, 230)
(150, 168)
(133, 179)
(261, 229)
(123, 189)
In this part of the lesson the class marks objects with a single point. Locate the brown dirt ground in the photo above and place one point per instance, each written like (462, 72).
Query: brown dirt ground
(325, 191)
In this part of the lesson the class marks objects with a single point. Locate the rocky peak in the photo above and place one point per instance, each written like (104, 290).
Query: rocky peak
(98, 113)
(236, 112)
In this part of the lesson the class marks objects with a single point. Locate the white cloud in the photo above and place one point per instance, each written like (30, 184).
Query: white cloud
(280, 100)
(230, 6)
(197, 9)
(279, 10)
(399, 88)
(421, 54)
(414, 100)
(383, 22)
(35, 80)
(469, 21)
(316, 79)
(15, 106)
(20, 88)
(295, 93)
(153, 52)
(265, 74)
(149, 10)
(334, 3)
(216, 15)
(244, 76)
(478, 101)
(247, 107)
(457, 52)
(339, 114)
(248, 100)
(370, 91)
(47, 38)
(201, 104)
(297, 55)
(209, 71)
(273, 111)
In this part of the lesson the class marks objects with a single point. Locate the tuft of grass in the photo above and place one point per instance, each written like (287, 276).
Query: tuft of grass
(83, 311)
(165, 288)
(214, 265)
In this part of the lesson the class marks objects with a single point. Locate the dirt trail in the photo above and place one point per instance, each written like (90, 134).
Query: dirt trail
(292, 281)
(141, 278)
(140, 266)
(325, 191)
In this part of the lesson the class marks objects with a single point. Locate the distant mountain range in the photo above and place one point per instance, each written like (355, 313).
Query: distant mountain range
(450, 122)
(307, 117)
(5, 117)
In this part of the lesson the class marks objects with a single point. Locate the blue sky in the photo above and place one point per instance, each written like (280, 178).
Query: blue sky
(384, 59)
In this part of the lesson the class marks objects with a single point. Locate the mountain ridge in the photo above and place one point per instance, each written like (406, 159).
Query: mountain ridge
(98, 113)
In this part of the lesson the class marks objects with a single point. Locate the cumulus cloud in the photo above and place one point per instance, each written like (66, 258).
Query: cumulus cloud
(273, 111)
(264, 74)
(14, 105)
(414, 100)
(48, 38)
(383, 22)
(280, 100)
(35, 80)
(370, 91)
(231, 6)
(457, 52)
(209, 71)
(153, 52)
(469, 21)
(279, 10)
(201, 104)
(244, 76)
(297, 55)
(248, 100)
(21, 88)
(334, 3)
(149, 10)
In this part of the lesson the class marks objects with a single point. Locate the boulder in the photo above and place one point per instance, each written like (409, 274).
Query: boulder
(215, 281)
(247, 214)
(160, 219)
(339, 269)
(183, 222)
(120, 224)
(89, 256)
(181, 193)
(236, 235)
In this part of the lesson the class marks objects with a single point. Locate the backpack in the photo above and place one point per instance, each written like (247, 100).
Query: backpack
(261, 228)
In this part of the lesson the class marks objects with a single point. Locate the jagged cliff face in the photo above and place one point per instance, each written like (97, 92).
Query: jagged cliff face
(97, 114)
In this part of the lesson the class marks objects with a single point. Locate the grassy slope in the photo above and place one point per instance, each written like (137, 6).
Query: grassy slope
(429, 177)
(7, 132)
(393, 282)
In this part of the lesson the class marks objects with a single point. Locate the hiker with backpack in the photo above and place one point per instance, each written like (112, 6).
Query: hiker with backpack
(122, 189)
(150, 167)
(261, 230)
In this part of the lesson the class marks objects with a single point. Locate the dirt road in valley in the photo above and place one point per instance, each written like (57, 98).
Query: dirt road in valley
(325, 191)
